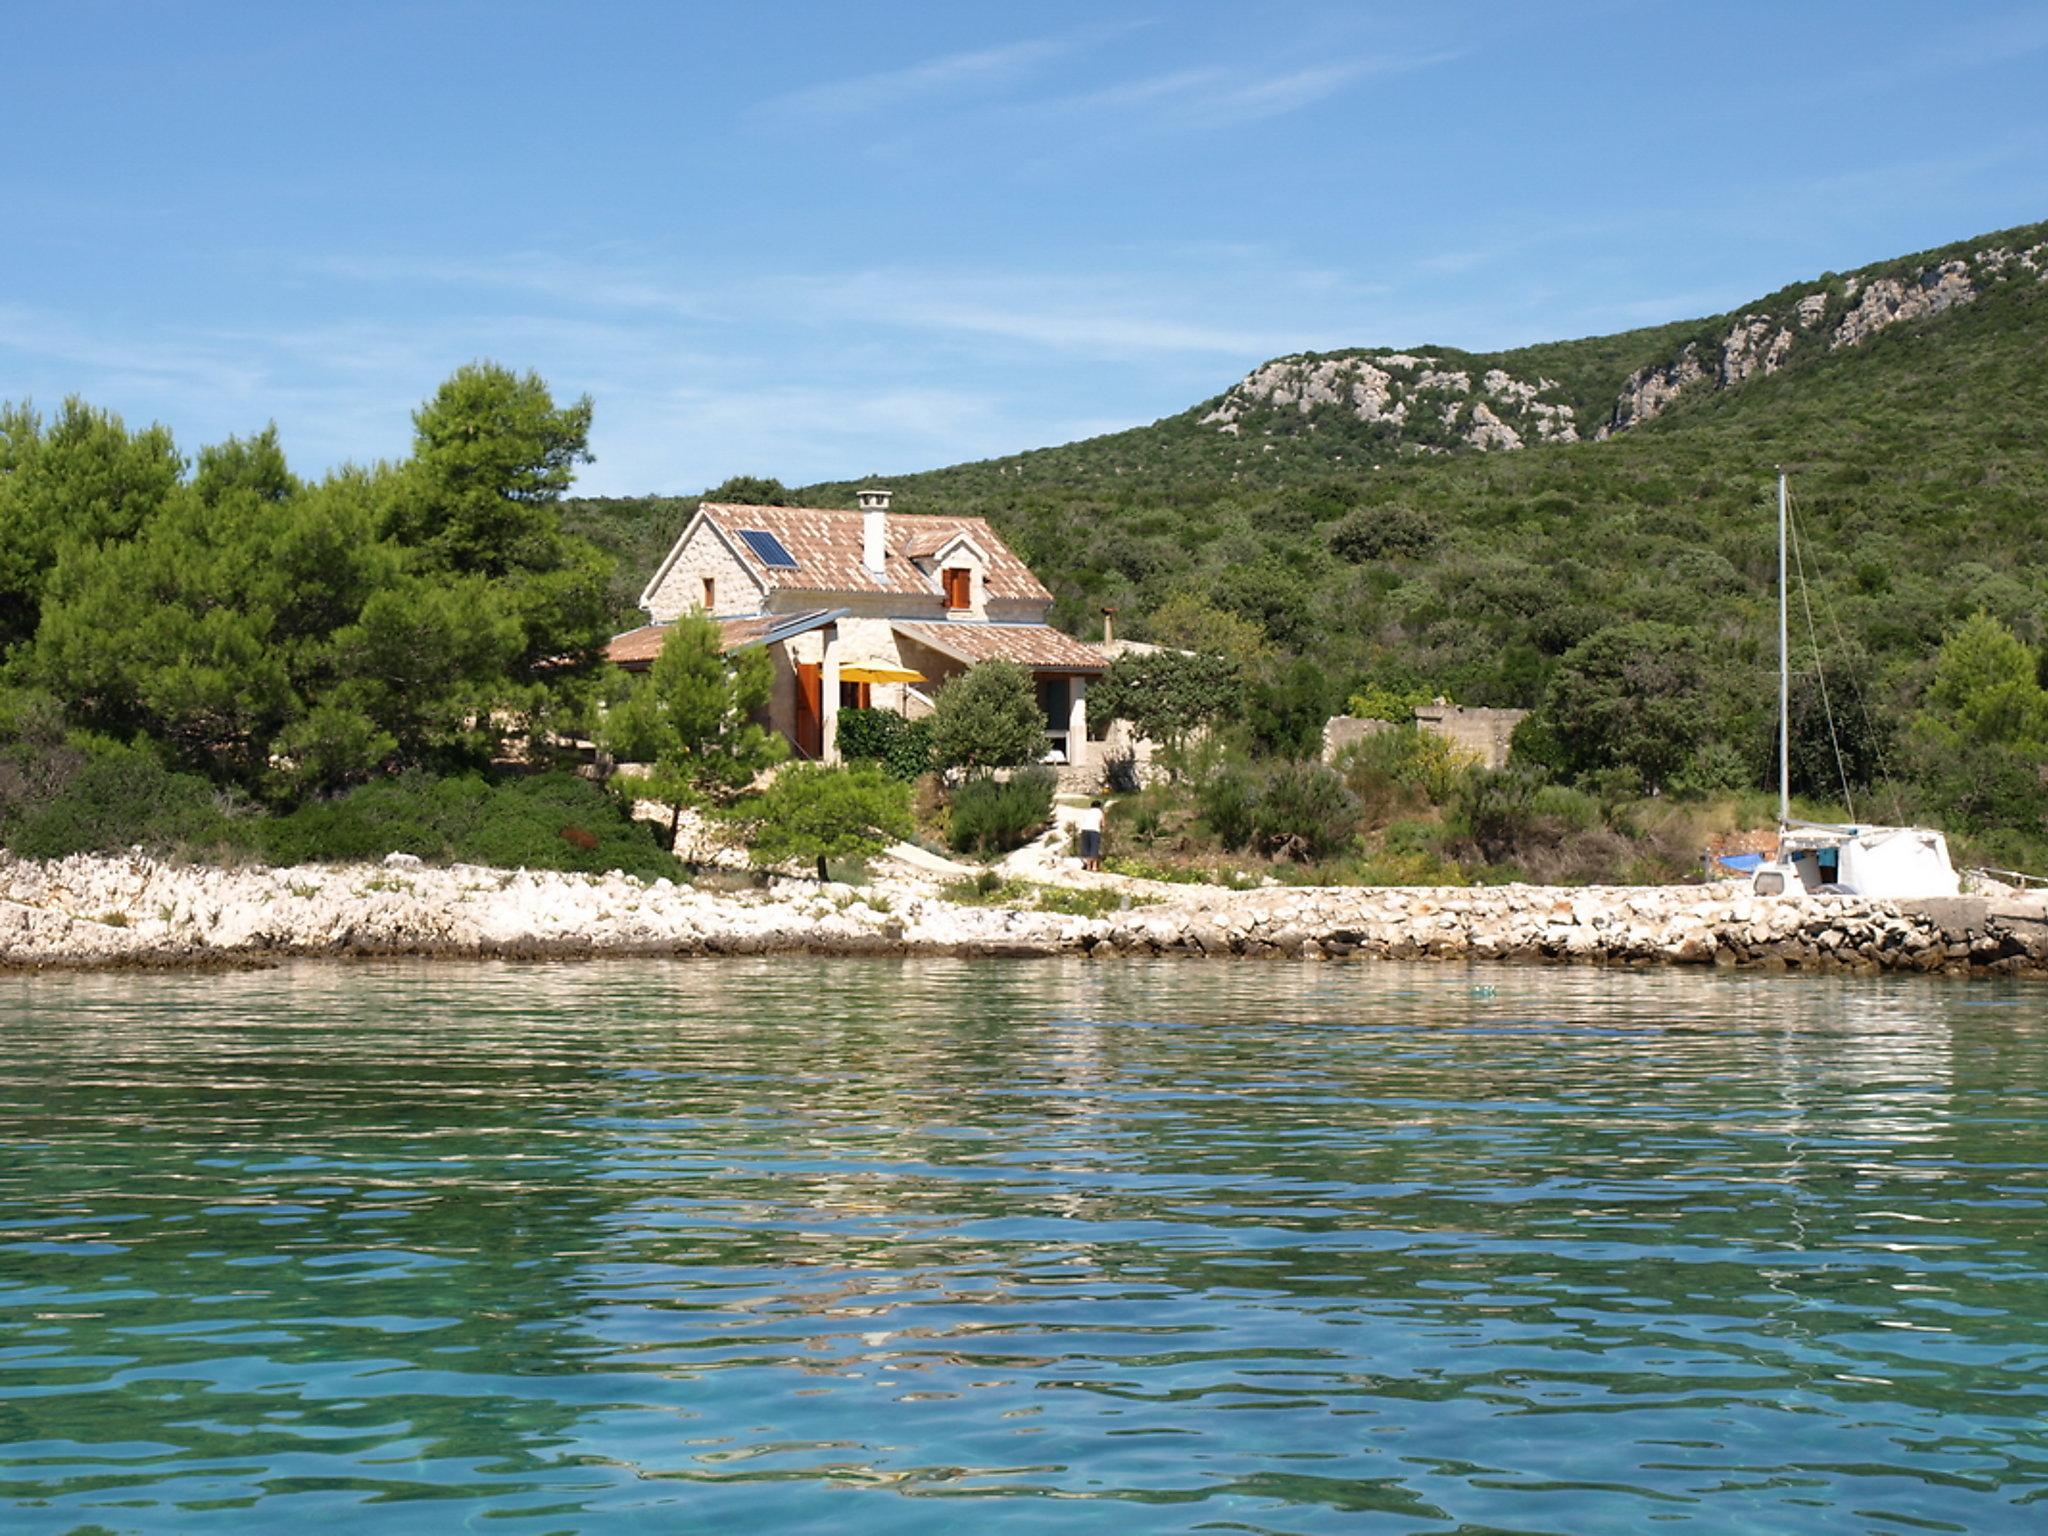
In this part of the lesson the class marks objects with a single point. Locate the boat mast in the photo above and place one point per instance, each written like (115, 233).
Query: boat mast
(1784, 674)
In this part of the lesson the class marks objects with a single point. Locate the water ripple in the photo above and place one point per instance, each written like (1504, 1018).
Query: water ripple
(803, 1246)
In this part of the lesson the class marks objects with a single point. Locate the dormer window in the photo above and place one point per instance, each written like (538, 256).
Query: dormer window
(959, 584)
(710, 595)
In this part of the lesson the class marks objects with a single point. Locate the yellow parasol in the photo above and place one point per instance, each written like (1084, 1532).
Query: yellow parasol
(879, 675)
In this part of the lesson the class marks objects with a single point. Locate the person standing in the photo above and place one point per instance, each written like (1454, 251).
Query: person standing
(1091, 836)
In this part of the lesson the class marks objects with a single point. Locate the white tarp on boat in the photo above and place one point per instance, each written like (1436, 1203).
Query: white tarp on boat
(1898, 861)
(1886, 863)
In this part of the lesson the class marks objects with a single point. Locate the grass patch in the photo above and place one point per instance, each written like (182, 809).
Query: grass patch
(990, 890)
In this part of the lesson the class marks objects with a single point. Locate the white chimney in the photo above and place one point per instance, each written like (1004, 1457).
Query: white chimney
(874, 528)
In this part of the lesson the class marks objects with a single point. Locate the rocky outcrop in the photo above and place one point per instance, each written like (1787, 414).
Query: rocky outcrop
(138, 911)
(1498, 413)
(1431, 403)
(1650, 389)
(1998, 259)
(1758, 344)
(1887, 300)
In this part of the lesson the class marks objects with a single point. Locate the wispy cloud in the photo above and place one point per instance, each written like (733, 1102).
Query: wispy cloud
(1214, 96)
(1207, 95)
(184, 361)
(950, 73)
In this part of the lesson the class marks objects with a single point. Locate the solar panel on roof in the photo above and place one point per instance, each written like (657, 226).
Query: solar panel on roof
(768, 549)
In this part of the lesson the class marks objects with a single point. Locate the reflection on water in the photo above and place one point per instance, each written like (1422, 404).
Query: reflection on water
(794, 1246)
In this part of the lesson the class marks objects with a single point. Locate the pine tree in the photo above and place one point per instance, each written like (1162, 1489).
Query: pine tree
(690, 718)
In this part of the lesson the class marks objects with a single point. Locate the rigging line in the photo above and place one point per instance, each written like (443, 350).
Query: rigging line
(1819, 673)
(1877, 751)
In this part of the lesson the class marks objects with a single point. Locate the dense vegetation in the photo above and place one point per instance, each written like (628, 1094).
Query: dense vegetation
(1919, 465)
(230, 645)
(219, 658)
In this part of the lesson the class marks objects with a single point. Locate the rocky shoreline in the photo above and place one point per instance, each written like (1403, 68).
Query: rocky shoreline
(90, 912)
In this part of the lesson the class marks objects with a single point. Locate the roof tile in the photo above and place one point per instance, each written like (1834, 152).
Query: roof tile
(1032, 645)
(826, 545)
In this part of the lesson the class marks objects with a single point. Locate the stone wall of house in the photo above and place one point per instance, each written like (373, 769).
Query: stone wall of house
(682, 585)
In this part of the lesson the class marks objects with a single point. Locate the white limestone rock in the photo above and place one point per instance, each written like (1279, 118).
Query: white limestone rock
(1887, 301)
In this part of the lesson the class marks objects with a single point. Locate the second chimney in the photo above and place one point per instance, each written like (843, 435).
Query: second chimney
(1109, 626)
(874, 527)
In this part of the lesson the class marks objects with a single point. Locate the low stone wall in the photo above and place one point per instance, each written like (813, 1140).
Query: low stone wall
(138, 911)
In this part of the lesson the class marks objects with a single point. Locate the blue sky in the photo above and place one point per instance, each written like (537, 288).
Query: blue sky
(838, 239)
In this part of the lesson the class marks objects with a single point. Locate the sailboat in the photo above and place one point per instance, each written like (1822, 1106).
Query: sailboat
(1885, 863)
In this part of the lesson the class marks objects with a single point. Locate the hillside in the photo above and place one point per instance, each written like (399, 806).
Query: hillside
(1457, 520)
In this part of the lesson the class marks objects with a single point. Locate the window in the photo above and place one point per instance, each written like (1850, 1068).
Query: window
(959, 582)
(854, 695)
(710, 594)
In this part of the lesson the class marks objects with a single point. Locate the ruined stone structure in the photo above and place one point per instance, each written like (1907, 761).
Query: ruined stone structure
(1483, 735)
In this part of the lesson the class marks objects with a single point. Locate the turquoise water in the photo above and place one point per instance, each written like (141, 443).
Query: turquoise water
(864, 1246)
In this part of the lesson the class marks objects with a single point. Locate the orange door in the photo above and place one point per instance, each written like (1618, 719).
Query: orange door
(810, 710)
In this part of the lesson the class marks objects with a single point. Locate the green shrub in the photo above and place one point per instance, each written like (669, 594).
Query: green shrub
(1227, 797)
(550, 821)
(1496, 811)
(1382, 533)
(815, 813)
(1716, 768)
(1397, 770)
(995, 815)
(903, 747)
(121, 797)
(1142, 817)
(1294, 810)
(1565, 808)
(1377, 701)
(1303, 812)
(987, 717)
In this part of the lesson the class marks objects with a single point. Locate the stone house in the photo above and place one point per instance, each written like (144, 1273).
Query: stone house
(865, 609)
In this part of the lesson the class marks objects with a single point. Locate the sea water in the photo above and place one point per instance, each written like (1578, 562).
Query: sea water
(850, 1246)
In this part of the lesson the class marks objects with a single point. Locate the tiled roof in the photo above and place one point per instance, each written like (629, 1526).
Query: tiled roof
(826, 545)
(923, 543)
(637, 648)
(1031, 645)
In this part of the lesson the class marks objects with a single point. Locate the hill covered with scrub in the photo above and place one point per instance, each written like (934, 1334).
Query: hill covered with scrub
(1385, 521)
(1464, 519)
